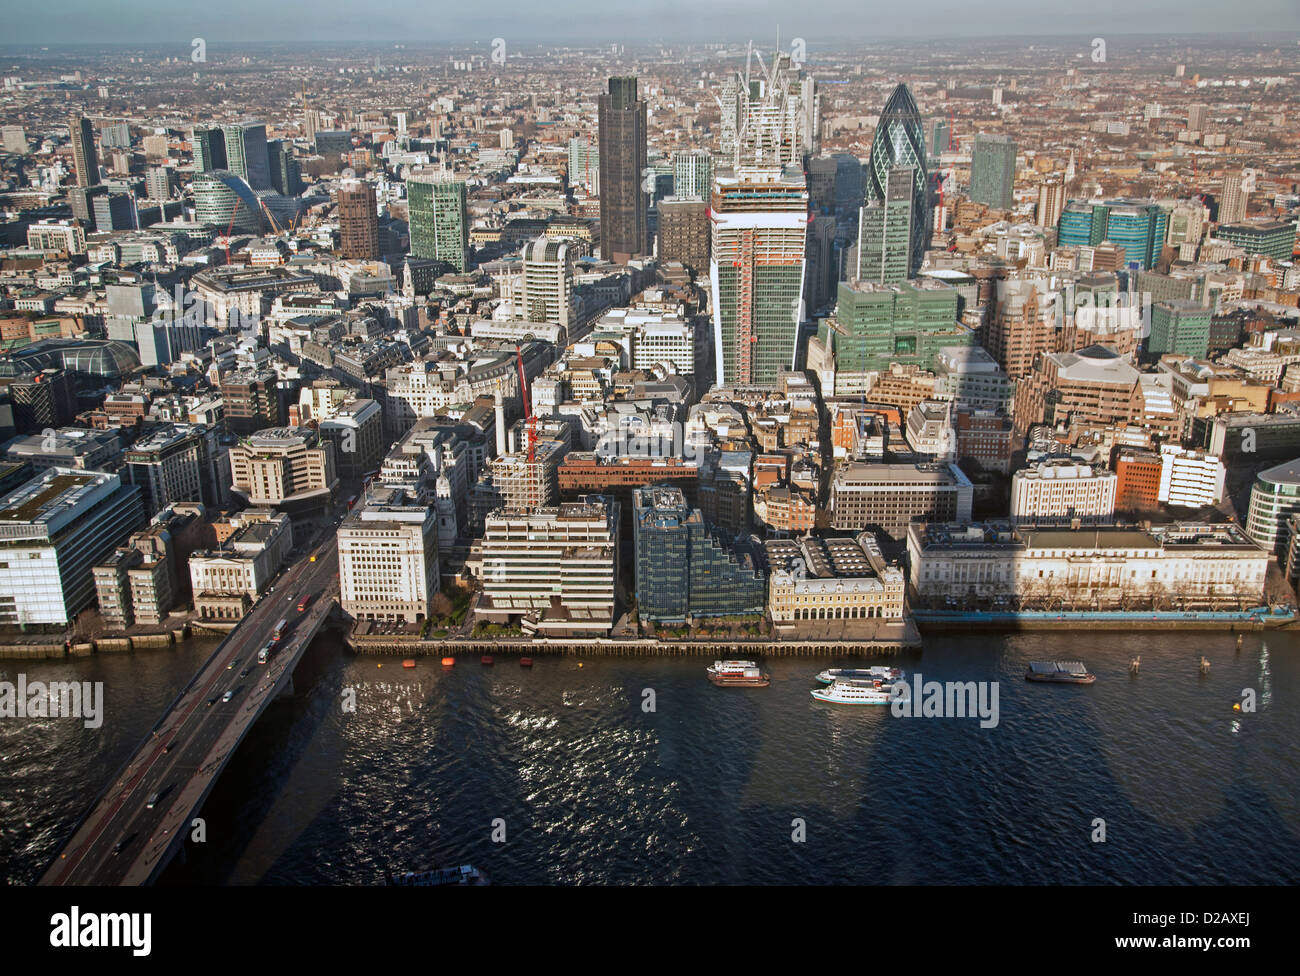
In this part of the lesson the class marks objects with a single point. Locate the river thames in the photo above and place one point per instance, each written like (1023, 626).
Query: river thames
(637, 770)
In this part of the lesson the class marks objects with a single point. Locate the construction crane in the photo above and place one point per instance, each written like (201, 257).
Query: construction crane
(271, 217)
(230, 228)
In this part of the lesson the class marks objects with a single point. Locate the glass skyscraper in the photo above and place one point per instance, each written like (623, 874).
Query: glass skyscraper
(993, 171)
(246, 154)
(900, 141)
(885, 231)
(439, 218)
(209, 150)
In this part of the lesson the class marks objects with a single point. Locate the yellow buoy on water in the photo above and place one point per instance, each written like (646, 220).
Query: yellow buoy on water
(379, 665)
(579, 664)
(1236, 706)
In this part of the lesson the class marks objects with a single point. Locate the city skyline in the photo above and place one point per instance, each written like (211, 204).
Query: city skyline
(438, 449)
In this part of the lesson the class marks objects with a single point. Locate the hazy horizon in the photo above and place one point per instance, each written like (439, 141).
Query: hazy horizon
(828, 22)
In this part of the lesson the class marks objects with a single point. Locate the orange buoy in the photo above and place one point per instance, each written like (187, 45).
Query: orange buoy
(448, 662)
(409, 663)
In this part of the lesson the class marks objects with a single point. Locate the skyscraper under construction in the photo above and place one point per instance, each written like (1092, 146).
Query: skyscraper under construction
(759, 233)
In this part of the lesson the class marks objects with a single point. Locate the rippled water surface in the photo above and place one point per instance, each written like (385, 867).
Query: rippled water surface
(709, 786)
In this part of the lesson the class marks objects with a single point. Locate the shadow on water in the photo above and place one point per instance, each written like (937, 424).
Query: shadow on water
(591, 784)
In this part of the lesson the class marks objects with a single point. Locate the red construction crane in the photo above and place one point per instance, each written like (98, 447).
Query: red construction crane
(529, 419)
(231, 227)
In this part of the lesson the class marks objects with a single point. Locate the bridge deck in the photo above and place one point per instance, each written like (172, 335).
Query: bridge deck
(123, 840)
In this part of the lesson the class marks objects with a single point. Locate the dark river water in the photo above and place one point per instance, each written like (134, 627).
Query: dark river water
(561, 774)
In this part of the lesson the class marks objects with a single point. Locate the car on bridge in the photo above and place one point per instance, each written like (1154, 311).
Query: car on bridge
(227, 696)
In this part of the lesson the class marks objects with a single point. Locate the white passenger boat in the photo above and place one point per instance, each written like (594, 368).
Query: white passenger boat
(855, 691)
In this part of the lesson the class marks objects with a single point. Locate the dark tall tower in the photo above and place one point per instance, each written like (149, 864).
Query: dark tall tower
(358, 221)
(84, 156)
(209, 150)
(623, 228)
(900, 141)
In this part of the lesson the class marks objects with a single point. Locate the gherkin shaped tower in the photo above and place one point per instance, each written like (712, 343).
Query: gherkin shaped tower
(900, 141)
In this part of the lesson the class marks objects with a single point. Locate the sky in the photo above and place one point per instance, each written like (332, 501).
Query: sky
(587, 22)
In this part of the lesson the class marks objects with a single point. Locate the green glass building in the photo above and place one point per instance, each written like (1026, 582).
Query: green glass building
(439, 219)
(1271, 238)
(1179, 326)
(875, 325)
(993, 171)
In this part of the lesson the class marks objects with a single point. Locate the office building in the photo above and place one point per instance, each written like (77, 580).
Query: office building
(624, 232)
(54, 529)
(84, 157)
(226, 581)
(175, 463)
(227, 203)
(66, 447)
(584, 164)
(1137, 226)
(438, 218)
(209, 150)
(887, 497)
(284, 467)
(1179, 326)
(993, 171)
(158, 183)
(877, 325)
(1060, 492)
(555, 568)
(1274, 498)
(1138, 474)
(547, 294)
(1185, 566)
(356, 429)
(1275, 239)
(388, 558)
(251, 401)
(14, 139)
(885, 231)
(358, 221)
(1190, 478)
(684, 571)
(693, 173)
(286, 174)
(332, 142)
(246, 153)
(832, 579)
(684, 232)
